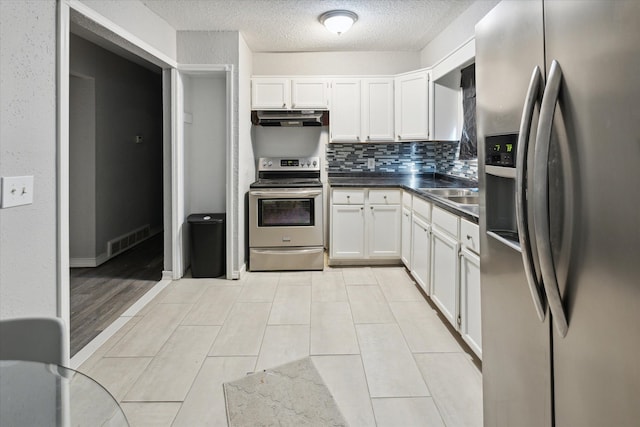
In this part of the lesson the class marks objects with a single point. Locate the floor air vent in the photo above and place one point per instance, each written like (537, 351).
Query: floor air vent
(122, 243)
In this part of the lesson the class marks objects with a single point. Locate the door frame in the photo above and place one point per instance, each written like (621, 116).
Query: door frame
(177, 162)
(171, 146)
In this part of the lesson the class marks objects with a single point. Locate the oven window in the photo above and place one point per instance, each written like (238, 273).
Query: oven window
(285, 212)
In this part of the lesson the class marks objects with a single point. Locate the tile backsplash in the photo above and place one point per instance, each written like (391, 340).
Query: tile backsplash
(407, 157)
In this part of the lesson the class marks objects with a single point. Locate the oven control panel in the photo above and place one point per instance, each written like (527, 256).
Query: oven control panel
(288, 163)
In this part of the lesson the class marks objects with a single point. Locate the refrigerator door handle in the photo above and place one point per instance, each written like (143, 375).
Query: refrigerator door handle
(541, 197)
(534, 95)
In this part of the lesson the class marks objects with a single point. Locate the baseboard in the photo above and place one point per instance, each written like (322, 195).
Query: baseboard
(237, 275)
(104, 257)
(167, 275)
(88, 262)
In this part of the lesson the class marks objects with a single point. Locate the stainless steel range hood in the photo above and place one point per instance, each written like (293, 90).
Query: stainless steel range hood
(289, 118)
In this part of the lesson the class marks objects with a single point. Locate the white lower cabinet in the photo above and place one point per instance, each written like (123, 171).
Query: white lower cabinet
(470, 319)
(347, 231)
(405, 252)
(444, 274)
(444, 260)
(365, 224)
(384, 231)
(421, 252)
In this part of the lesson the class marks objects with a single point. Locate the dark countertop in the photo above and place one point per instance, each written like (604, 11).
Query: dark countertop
(412, 183)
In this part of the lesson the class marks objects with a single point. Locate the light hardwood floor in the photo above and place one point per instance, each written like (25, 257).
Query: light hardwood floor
(101, 294)
(382, 350)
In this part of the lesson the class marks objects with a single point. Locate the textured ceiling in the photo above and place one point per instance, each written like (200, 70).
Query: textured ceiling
(292, 25)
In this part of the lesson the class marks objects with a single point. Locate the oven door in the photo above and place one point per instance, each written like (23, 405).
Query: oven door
(281, 217)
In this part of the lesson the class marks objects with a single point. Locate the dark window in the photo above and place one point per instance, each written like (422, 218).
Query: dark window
(468, 141)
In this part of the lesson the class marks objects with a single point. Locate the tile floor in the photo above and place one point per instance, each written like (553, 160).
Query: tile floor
(381, 349)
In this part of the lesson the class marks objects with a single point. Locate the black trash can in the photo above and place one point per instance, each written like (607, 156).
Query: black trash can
(208, 244)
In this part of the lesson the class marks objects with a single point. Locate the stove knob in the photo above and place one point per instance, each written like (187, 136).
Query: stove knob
(264, 163)
(308, 163)
(270, 163)
(315, 163)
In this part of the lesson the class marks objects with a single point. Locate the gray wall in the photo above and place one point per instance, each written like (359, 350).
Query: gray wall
(28, 252)
(82, 171)
(128, 176)
(205, 144)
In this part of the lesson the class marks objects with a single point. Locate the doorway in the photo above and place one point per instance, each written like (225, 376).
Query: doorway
(116, 219)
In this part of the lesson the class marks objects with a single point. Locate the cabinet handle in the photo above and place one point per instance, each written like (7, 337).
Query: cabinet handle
(399, 137)
(361, 208)
(357, 138)
(368, 137)
(468, 237)
(348, 197)
(284, 105)
(371, 207)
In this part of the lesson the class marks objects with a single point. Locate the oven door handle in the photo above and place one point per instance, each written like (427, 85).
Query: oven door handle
(287, 194)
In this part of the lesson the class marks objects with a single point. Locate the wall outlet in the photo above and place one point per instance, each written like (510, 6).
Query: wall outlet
(371, 164)
(17, 191)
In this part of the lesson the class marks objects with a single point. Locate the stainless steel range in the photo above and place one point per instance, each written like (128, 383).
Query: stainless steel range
(285, 215)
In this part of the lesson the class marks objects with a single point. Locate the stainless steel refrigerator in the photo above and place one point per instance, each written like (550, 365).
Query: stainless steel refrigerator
(558, 113)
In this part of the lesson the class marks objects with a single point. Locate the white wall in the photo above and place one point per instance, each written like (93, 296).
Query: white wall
(335, 63)
(134, 17)
(456, 33)
(28, 255)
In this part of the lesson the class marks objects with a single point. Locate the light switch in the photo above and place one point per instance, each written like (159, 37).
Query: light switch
(17, 190)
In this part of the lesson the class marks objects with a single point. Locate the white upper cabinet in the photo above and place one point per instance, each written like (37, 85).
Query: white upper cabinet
(278, 93)
(362, 110)
(377, 110)
(412, 106)
(309, 93)
(345, 110)
(270, 93)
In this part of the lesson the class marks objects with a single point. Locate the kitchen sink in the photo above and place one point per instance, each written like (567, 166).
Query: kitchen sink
(451, 192)
(464, 200)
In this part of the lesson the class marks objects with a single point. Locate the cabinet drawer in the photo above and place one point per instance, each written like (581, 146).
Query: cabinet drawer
(470, 235)
(422, 208)
(445, 221)
(385, 197)
(348, 196)
(406, 199)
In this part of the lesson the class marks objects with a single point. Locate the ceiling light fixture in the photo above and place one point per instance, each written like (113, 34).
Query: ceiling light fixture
(338, 21)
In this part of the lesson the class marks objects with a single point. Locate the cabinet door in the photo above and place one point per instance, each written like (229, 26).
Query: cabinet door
(347, 231)
(406, 238)
(377, 110)
(412, 106)
(470, 319)
(309, 94)
(345, 110)
(384, 231)
(444, 274)
(421, 252)
(270, 93)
